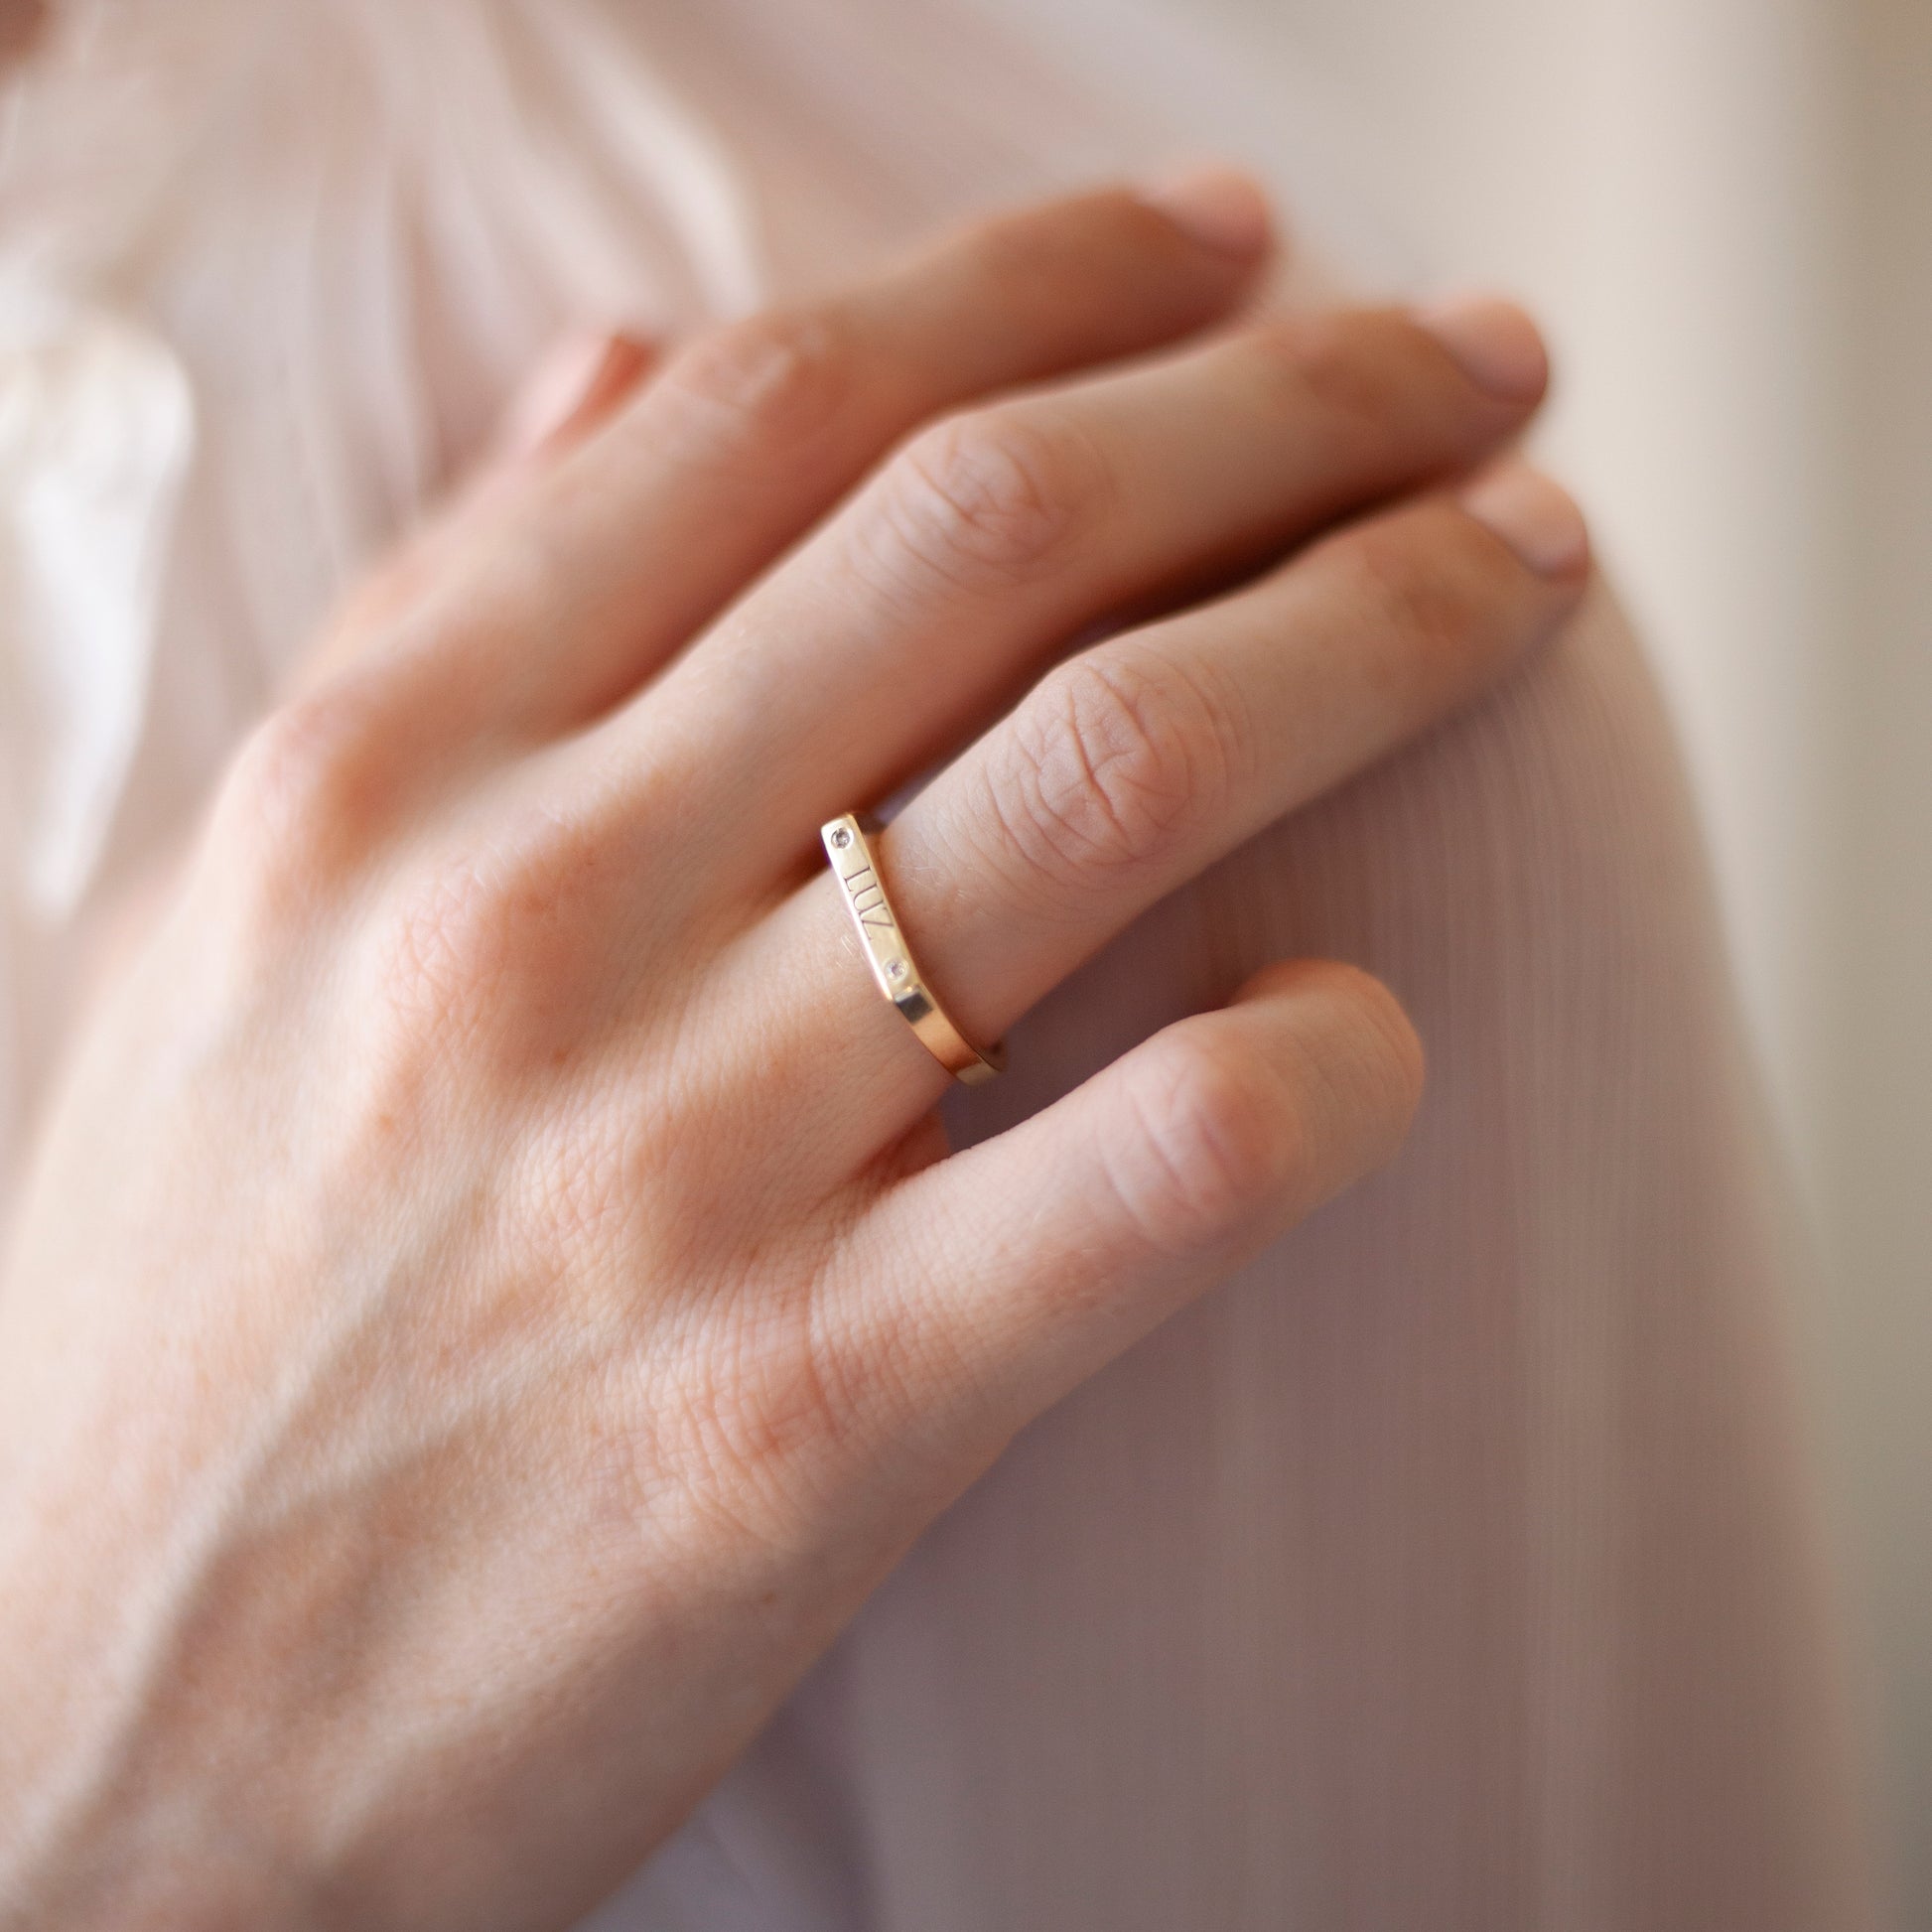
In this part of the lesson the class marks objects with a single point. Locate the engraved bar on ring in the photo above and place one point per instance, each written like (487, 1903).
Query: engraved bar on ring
(893, 965)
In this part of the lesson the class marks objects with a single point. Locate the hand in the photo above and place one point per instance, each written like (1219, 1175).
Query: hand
(494, 1296)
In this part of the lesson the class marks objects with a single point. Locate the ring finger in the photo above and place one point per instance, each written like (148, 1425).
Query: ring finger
(1135, 764)
(996, 537)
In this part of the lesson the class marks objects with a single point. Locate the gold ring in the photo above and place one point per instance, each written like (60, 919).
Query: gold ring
(893, 964)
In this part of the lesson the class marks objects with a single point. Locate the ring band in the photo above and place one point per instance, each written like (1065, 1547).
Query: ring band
(893, 964)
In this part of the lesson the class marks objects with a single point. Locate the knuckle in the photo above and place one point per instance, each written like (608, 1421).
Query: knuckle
(1341, 364)
(769, 1406)
(900, 1380)
(298, 803)
(1029, 270)
(1017, 260)
(448, 945)
(302, 764)
(483, 944)
(1215, 1141)
(764, 1423)
(1422, 581)
(800, 1390)
(993, 497)
(1108, 760)
(1056, 273)
(768, 387)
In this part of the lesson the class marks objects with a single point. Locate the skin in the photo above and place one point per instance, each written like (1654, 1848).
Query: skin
(494, 1296)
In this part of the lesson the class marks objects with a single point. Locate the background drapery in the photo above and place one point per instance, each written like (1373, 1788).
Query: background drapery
(1724, 210)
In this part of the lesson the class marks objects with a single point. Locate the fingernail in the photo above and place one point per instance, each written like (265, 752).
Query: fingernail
(1533, 515)
(1219, 208)
(584, 375)
(1498, 348)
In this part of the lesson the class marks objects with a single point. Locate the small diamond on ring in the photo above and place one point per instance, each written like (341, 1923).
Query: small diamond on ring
(896, 969)
(841, 838)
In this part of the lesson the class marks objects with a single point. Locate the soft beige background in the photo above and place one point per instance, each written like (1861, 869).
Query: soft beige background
(1724, 210)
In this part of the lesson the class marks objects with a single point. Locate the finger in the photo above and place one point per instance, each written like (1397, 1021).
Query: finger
(580, 385)
(1138, 763)
(582, 379)
(1024, 1264)
(996, 538)
(753, 432)
(1134, 766)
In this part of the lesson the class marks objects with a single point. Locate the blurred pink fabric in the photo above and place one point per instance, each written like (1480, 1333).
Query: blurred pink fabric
(1454, 1568)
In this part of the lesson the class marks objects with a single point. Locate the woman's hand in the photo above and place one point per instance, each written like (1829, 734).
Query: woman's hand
(494, 1297)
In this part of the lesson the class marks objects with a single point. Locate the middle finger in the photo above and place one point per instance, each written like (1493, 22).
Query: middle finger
(994, 538)
(1141, 761)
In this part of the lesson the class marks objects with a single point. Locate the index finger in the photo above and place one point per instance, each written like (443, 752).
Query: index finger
(754, 431)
